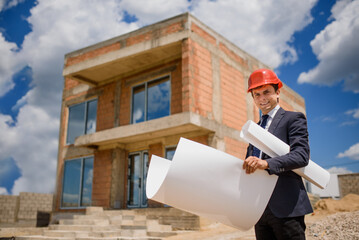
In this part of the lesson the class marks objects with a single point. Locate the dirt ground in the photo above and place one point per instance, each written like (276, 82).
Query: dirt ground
(331, 220)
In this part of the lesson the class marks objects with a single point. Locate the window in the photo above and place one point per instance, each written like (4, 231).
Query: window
(170, 152)
(151, 100)
(77, 183)
(82, 120)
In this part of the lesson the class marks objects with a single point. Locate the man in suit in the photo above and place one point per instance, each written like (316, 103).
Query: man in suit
(283, 217)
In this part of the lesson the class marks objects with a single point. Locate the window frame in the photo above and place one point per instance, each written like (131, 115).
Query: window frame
(80, 190)
(146, 83)
(85, 120)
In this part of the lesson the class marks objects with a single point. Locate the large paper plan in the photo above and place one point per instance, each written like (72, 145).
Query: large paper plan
(273, 147)
(210, 183)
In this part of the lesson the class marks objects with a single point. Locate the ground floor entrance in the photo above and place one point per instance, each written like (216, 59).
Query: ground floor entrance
(136, 179)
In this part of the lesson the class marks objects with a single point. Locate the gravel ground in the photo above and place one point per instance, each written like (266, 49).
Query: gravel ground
(338, 226)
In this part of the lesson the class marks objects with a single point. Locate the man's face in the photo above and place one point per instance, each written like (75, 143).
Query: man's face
(265, 98)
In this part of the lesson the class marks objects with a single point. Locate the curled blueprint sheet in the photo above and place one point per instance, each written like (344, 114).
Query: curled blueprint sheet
(211, 184)
(273, 147)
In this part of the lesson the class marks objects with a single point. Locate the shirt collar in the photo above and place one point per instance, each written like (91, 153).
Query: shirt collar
(272, 113)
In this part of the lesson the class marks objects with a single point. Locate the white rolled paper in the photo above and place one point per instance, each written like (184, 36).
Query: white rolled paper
(274, 147)
(209, 183)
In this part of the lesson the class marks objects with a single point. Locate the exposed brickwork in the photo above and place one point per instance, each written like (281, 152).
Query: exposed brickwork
(200, 139)
(187, 75)
(285, 105)
(234, 107)
(176, 90)
(208, 37)
(31, 203)
(70, 83)
(101, 187)
(235, 147)
(24, 207)
(9, 206)
(348, 183)
(153, 34)
(156, 149)
(233, 56)
(97, 52)
(202, 83)
(125, 102)
(106, 108)
(293, 98)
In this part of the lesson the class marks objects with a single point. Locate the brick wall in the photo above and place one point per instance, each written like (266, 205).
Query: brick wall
(31, 203)
(9, 206)
(348, 183)
(235, 147)
(201, 73)
(234, 107)
(156, 149)
(106, 107)
(24, 207)
(102, 172)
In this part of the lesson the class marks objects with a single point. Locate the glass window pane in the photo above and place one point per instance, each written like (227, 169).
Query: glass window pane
(138, 104)
(71, 183)
(87, 182)
(134, 180)
(76, 122)
(91, 117)
(145, 170)
(170, 152)
(158, 99)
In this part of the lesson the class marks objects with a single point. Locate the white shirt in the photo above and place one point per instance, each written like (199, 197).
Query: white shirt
(271, 115)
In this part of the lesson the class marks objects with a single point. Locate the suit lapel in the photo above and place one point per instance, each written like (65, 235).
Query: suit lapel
(279, 115)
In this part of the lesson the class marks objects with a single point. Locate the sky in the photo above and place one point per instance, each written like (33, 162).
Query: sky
(313, 46)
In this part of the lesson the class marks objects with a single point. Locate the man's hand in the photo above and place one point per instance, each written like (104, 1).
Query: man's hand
(251, 164)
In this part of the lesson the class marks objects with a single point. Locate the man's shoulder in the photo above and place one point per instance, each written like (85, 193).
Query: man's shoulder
(292, 113)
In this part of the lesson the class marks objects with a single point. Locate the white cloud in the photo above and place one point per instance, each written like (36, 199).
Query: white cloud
(336, 48)
(149, 12)
(8, 64)
(338, 170)
(58, 27)
(353, 112)
(32, 143)
(352, 152)
(261, 28)
(3, 191)
(6, 4)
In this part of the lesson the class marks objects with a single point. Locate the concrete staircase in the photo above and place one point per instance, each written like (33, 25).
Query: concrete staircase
(141, 224)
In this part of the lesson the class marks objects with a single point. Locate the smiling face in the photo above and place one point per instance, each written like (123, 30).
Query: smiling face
(265, 98)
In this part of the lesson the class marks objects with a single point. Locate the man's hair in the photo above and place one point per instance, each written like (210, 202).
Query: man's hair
(275, 86)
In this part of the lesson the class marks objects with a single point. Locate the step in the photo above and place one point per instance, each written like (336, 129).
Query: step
(133, 232)
(90, 217)
(98, 222)
(106, 234)
(94, 210)
(83, 227)
(68, 234)
(154, 226)
(40, 237)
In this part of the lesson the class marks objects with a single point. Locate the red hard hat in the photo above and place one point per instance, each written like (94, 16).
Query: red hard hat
(262, 77)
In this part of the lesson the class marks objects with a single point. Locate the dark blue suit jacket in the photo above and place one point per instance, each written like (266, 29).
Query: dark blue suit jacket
(289, 198)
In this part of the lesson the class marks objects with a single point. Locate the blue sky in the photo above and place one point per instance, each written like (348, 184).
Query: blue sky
(312, 44)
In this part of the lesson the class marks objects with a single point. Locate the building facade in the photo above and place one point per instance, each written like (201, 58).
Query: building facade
(135, 95)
